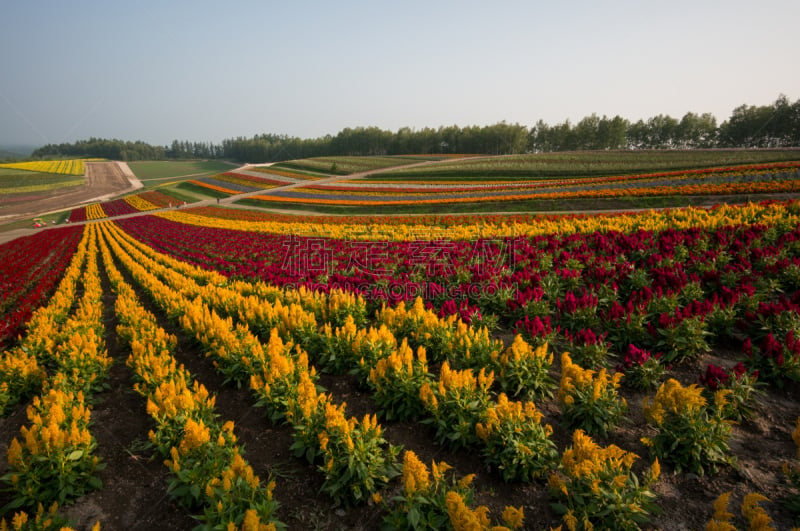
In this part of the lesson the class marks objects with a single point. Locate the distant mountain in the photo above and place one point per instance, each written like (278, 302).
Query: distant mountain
(16, 151)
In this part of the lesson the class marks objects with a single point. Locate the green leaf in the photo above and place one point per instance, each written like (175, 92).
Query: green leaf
(75, 455)
(413, 517)
(559, 508)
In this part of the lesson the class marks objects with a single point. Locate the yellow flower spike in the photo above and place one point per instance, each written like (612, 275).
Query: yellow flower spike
(438, 470)
(513, 517)
(19, 520)
(15, 453)
(416, 477)
(427, 397)
(195, 434)
(570, 521)
(174, 463)
(466, 480)
(721, 512)
(655, 470)
(556, 483)
(754, 514)
(619, 481)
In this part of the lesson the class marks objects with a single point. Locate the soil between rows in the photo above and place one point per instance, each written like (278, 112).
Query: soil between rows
(135, 496)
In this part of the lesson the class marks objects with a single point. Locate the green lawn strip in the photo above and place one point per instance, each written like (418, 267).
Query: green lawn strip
(16, 181)
(160, 169)
(286, 168)
(58, 217)
(197, 193)
(342, 165)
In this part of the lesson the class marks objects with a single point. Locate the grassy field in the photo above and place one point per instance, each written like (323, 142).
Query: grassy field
(155, 173)
(347, 165)
(14, 181)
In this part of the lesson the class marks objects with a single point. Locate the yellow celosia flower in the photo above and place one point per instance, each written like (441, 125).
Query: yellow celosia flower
(195, 435)
(655, 470)
(756, 516)
(20, 519)
(672, 397)
(462, 518)
(438, 470)
(416, 477)
(513, 517)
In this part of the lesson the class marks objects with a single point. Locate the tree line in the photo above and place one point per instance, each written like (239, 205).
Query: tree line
(749, 126)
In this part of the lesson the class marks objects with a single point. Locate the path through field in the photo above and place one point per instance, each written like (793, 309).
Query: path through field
(104, 181)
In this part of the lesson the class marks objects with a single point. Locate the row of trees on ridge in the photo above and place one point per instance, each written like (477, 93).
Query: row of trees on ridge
(749, 126)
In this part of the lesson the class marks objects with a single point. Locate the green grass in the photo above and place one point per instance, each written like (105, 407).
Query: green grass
(199, 193)
(59, 218)
(586, 164)
(294, 170)
(153, 173)
(346, 165)
(16, 181)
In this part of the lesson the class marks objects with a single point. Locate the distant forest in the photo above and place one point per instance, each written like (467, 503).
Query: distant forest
(767, 126)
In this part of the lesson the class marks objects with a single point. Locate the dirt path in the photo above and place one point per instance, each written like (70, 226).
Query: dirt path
(104, 181)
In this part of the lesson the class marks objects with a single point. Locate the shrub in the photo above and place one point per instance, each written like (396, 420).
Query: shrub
(432, 501)
(743, 387)
(587, 348)
(595, 487)
(355, 463)
(642, 369)
(516, 442)
(589, 399)
(396, 381)
(523, 371)
(456, 404)
(691, 435)
(775, 362)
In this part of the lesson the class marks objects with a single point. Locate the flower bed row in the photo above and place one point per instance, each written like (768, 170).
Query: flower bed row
(30, 268)
(789, 184)
(131, 204)
(282, 381)
(209, 471)
(326, 309)
(65, 167)
(783, 214)
(457, 404)
(727, 174)
(20, 367)
(53, 461)
(673, 292)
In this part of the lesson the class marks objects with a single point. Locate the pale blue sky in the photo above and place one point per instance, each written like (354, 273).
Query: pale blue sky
(205, 71)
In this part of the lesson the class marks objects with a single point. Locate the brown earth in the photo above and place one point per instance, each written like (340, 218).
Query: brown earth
(104, 180)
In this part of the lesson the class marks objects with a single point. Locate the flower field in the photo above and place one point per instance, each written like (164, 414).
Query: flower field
(63, 167)
(748, 179)
(141, 202)
(29, 272)
(622, 371)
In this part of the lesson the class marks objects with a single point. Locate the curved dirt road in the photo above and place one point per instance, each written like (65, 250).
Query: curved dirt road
(104, 180)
